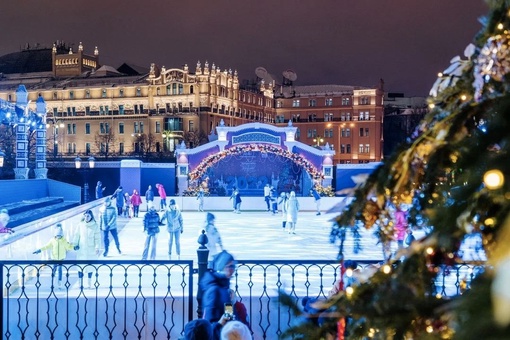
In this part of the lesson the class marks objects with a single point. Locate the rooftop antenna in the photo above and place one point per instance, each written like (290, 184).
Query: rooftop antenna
(289, 76)
(261, 73)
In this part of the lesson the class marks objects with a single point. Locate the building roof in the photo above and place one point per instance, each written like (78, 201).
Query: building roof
(26, 61)
(132, 70)
(314, 90)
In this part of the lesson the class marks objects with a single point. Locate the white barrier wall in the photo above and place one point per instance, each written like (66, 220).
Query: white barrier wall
(218, 203)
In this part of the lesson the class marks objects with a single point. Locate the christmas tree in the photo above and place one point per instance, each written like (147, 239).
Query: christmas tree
(452, 173)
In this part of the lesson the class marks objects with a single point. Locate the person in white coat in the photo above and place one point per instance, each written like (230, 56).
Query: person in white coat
(214, 243)
(87, 243)
(292, 212)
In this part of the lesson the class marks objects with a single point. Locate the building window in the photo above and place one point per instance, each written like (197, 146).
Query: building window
(103, 93)
(312, 117)
(135, 127)
(363, 132)
(348, 148)
(346, 101)
(312, 102)
(87, 128)
(104, 128)
(158, 127)
(55, 96)
(329, 102)
(87, 110)
(71, 129)
(121, 92)
(364, 100)
(87, 94)
(55, 111)
(101, 110)
(141, 127)
(141, 108)
(346, 132)
(364, 115)
(328, 133)
(191, 126)
(68, 111)
(87, 148)
(312, 133)
(138, 92)
(361, 148)
(121, 128)
(295, 103)
(71, 94)
(71, 148)
(328, 117)
(121, 109)
(367, 148)
(342, 148)
(279, 103)
(121, 148)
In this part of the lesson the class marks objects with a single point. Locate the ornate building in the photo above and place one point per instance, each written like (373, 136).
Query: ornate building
(99, 110)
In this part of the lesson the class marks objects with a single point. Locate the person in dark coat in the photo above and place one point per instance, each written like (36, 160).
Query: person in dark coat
(119, 200)
(151, 228)
(99, 190)
(149, 197)
(215, 285)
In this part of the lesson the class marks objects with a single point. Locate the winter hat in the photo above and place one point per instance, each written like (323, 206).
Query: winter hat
(209, 217)
(221, 260)
(172, 202)
(58, 230)
(108, 201)
(235, 330)
(199, 329)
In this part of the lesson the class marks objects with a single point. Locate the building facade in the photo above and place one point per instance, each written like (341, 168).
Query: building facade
(101, 111)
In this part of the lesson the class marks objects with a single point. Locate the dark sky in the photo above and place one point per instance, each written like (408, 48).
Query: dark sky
(345, 42)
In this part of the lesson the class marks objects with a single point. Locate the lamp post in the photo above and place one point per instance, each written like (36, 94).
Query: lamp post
(2, 158)
(56, 125)
(318, 141)
(85, 171)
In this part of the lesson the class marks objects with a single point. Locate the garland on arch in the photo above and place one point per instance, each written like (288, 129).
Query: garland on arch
(235, 150)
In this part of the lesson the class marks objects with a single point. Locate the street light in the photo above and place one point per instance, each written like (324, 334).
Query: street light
(85, 171)
(56, 125)
(318, 141)
(2, 157)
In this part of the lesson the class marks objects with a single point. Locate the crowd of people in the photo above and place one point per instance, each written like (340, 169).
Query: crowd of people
(224, 315)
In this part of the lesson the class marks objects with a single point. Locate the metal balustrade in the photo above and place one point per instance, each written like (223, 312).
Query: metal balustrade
(155, 299)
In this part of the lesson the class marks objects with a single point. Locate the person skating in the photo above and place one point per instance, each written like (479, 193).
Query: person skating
(200, 198)
(151, 228)
(213, 238)
(162, 196)
(4, 220)
(59, 247)
(87, 243)
(108, 224)
(99, 190)
(136, 201)
(149, 197)
(317, 198)
(175, 227)
(292, 212)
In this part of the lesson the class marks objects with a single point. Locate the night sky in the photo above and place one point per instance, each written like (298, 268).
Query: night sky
(345, 42)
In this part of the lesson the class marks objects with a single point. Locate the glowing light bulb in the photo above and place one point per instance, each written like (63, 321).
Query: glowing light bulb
(430, 251)
(349, 291)
(493, 179)
(386, 269)
(500, 26)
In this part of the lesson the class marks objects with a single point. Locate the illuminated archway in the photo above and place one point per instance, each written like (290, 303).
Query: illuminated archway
(200, 170)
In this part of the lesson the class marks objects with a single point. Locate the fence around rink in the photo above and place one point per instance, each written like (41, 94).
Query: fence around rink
(155, 299)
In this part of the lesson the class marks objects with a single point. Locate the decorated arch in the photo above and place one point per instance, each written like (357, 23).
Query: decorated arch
(19, 115)
(250, 156)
